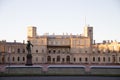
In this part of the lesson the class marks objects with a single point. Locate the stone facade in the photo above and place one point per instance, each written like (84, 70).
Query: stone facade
(61, 49)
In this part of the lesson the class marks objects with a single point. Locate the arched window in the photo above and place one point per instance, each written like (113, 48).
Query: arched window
(49, 59)
(80, 59)
(18, 58)
(23, 58)
(58, 58)
(68, 58)
(3, 59)
(99, 59)
(74, 59)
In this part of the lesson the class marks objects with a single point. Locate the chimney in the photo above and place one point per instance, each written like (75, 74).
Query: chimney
(14, 41)
(23, 41)
(94, 41)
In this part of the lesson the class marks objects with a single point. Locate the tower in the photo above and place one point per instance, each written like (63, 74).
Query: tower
(88, 32)
(31, 31)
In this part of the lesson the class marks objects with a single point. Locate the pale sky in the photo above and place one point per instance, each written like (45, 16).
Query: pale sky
(58, 16)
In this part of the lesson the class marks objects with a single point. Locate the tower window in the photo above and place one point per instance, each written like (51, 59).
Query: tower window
(90, 30)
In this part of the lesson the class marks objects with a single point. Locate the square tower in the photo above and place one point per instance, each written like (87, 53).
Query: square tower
(31, 31)
(88, 32)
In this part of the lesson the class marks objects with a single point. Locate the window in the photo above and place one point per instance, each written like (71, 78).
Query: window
(13, 59)
(49, 59)
(23, 58)
(109, 59)
(86, 59)
(53, 51)
(18, 50)
(36, 51)
(49, 51)
(93, 58)
(90, 30)
(98, 51)
(23, 50)
(53, 59)
(58, 58)
(98, 59)
(18, 58)
(63, 59)
(68, 58)
(74, 59)
(104, 59)
(80, 59)
(108, 51)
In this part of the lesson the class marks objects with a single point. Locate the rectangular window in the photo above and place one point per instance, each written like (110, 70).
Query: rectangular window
(104, 59)
(98, 59)
(93, 58)
(74, 59)
(86, 59)
(108, 59)
(80, 59)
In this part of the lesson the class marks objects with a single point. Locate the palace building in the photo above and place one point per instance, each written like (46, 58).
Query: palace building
(61, 49)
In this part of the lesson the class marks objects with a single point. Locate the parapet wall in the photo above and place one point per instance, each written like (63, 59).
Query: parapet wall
(64, 70)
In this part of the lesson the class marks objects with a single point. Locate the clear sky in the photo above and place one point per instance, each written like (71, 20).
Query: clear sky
(58, 16)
